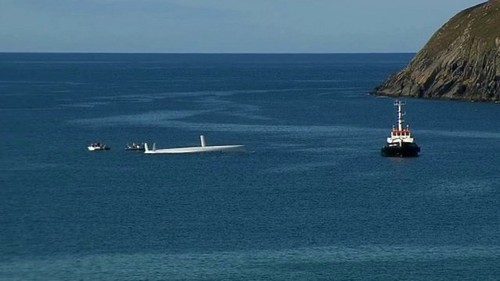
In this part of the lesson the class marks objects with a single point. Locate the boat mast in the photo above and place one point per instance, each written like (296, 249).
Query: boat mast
(401, 121)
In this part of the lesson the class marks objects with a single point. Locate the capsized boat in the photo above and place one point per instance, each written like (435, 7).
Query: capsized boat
(97, 146)
(401, 142)
(195, 149)
(135, 147)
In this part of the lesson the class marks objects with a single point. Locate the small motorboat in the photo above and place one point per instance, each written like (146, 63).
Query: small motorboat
(97, 146)
(135, 147)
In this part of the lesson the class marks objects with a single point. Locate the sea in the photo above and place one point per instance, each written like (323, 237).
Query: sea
(311, 198)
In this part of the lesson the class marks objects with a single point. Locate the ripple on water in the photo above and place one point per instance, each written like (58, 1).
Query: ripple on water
(294, 263)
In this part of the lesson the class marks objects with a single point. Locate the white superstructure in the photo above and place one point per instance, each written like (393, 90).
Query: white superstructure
(97, 146)
(400, 133)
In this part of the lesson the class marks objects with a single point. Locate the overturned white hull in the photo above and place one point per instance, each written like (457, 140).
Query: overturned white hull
(195, 149)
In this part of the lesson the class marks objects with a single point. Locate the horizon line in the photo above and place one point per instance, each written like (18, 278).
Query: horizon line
(204, 53)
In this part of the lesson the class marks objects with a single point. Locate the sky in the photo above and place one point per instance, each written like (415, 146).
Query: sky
(222, 26)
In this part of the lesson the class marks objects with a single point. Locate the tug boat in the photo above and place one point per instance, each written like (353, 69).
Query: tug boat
(97, 146)
(135, 147)
(401, 142)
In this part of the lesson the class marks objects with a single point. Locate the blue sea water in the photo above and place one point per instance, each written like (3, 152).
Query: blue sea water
(310, 199)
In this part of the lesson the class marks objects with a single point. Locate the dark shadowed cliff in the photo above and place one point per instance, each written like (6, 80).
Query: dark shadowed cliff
(460, 61)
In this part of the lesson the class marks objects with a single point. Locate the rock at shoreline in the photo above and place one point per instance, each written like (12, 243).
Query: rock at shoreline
(461, 60)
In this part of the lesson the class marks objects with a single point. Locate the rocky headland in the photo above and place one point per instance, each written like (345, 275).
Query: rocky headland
(461, 60)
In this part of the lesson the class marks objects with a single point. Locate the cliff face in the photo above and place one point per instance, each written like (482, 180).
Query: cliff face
(460, 61)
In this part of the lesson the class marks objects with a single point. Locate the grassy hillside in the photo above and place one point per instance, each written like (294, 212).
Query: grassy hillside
(460, 61)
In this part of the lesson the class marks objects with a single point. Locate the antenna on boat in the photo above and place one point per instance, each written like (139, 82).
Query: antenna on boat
(399, 104)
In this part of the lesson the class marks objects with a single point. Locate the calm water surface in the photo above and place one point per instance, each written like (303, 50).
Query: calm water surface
(310, 199)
